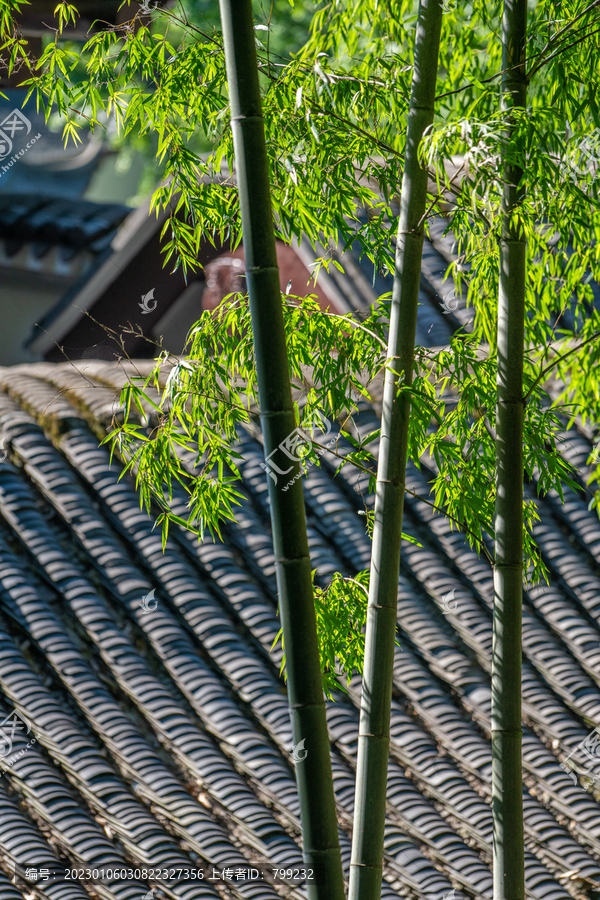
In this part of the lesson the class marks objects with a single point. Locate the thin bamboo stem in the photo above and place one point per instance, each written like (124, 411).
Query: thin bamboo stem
(373, 741)
(507, 784)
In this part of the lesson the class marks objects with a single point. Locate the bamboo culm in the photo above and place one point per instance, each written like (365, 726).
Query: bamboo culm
(294, 582)
(507, 784)
(373, 742)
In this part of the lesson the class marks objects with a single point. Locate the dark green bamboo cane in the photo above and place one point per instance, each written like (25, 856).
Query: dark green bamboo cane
(373, 743)
(507, 784)
(304, 682)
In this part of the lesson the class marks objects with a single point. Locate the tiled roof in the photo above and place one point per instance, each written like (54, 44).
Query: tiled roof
(73, 225)
(164, 735)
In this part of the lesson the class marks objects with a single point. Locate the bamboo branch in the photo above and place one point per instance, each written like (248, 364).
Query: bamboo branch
(556, 53)
(561, 31)
(536, 68)
(555, 362)
(440, 509)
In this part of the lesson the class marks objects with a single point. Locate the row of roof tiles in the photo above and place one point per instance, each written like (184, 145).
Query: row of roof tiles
(175, 720)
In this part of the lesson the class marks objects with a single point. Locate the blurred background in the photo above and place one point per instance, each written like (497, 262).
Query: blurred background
(82, 272)
(78, 250)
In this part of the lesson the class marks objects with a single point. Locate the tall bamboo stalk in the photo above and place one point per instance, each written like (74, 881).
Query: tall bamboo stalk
(305, 687)
(374, 732)
(507, 784)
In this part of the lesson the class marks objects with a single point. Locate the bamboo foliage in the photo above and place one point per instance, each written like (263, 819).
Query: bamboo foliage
(373, 742)
(336, 115)
(324, 164)
(507, 786)
(294, 582)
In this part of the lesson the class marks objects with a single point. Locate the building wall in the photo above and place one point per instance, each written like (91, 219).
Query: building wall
(22, 306)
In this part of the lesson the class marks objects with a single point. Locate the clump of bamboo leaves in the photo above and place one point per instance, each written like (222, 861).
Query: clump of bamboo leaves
(341, 614)
(354, 71)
